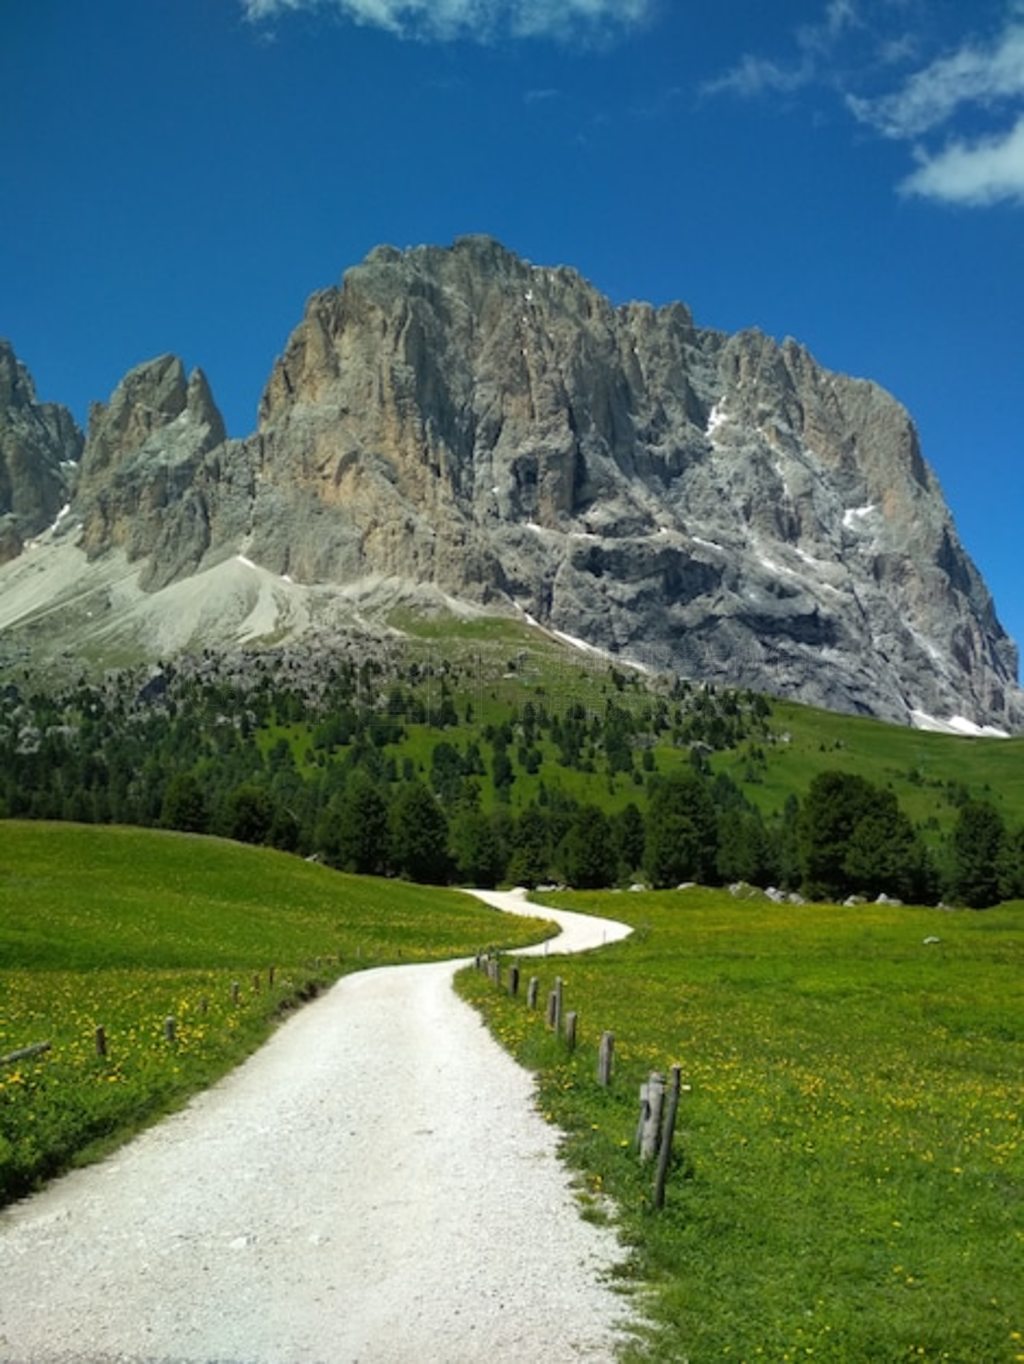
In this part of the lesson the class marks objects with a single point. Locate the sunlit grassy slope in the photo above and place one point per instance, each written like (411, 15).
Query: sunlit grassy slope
(849, 1183)
(504, 663)
(126, 927)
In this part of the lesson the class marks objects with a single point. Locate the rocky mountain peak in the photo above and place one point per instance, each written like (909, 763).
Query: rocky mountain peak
(39, 445)
(16, 386)
(722, 506)
(141, 453)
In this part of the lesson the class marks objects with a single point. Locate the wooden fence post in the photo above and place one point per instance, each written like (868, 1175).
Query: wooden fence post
(101, 1041)
(552, 1007)
(605, 1059)
(513, 981)
(652, 1097)
(570, 1029)
(25, 1053)
(665, 1154)
(557, 1020)
(531, 992)
(169, 1029)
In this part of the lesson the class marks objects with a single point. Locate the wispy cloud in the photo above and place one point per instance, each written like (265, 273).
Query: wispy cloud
(980, 81)
(752, 76)
(480, 20)
(987, 171)
(976, 77)
(975, 74)
(815, 44)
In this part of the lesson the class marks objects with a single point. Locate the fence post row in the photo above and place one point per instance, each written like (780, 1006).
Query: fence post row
(656, 1122)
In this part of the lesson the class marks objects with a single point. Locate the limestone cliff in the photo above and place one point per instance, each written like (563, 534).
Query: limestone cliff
(719, 505)
(39, 444)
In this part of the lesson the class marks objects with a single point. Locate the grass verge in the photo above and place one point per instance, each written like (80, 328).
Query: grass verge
(848, 1176)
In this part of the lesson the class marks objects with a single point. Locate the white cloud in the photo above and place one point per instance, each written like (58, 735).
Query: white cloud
(980, 79)
(987, 171)
(475, 19)
(753, 75)
(983, 75)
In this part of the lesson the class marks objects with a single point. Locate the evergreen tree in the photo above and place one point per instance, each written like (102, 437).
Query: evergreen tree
(682, 832)
(419, 835)
(977, 853)
(746, 851)
(629, 834)
(476, 848)
(184, 805)
(588, 851)
(502, 772)
(835, 803)
(531, 848)
(363, 835)
(249, 814)
(884, 853)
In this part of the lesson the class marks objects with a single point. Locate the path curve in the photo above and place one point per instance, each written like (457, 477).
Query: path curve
(373, 1185)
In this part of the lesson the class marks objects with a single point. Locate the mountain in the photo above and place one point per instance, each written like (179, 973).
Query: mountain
(463, 423)
(39, 444)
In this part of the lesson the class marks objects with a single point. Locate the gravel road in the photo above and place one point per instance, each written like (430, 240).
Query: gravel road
(375, 1184)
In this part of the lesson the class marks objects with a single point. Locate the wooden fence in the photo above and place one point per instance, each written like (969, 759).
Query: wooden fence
(169, 1025)
(654, 1137)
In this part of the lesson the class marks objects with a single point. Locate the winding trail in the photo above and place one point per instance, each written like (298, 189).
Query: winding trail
(374, 1185)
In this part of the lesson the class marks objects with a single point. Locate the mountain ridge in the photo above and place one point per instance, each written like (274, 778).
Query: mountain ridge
(722, 506)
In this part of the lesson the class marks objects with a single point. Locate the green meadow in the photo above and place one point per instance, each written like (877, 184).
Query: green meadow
(123, 928)
(848, 1173)
(927, 771)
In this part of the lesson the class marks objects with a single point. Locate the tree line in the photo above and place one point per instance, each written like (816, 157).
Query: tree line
(200, 756)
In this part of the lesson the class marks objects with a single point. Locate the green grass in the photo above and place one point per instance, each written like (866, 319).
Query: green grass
(849, 1167)
(917, 765)
(921, 768)
(125, 927)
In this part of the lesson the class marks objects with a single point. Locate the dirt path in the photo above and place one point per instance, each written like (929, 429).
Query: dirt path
(373, 1185)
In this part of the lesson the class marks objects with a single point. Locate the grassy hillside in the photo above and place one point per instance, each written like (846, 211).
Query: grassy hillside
(494, 717)
(499, 665)
(124, 927)
(849, 1181)
(927, 771)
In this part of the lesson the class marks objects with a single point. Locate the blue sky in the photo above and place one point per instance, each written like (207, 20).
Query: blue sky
(180, 174)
